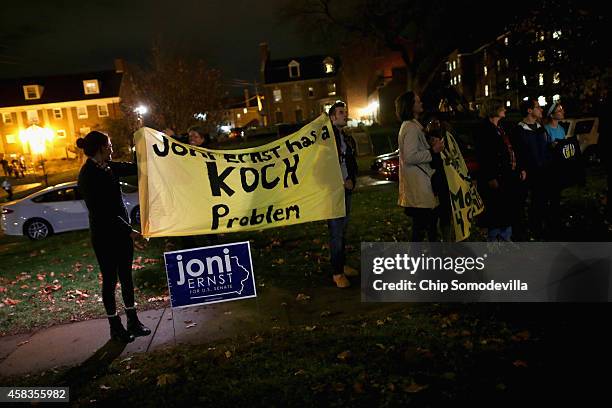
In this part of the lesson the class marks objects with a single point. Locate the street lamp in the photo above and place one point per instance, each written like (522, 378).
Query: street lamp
(140, 111)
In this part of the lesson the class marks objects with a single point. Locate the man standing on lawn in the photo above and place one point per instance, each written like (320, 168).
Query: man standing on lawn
(348, 165)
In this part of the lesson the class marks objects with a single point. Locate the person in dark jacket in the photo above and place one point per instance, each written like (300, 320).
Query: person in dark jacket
(348, 166)
(532, 145)
(111, 233)
(500, 174)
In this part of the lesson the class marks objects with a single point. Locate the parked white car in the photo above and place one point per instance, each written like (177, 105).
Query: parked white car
(54, 209)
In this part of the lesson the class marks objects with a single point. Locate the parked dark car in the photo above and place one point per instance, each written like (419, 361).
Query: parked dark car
(386, 165)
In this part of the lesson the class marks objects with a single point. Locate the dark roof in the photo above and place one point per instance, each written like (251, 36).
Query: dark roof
(310, 68)
(59, 88)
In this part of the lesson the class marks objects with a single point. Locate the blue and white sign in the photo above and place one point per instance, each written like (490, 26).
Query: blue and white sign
(219, 273)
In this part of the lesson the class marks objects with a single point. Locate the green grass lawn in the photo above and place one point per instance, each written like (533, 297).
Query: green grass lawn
(428, 355)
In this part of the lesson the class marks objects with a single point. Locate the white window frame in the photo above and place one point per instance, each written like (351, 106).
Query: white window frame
(7, 118)
(311, 92)
(88, 91)
(277, 95)
(486, 90)
(100, 115)
(57, 111)
(541, 56)
(328, 65)
(82, 109)
(331, 89)
(485, 69)
(61, 133)
(296, 65)
(541, 79)
(32, 116)
(507, 83)
(11, 139)
(296, 93)
(36, 89)
(556, 78)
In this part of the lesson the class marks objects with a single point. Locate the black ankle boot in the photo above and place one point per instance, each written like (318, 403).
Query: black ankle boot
(133, 324)
(118, 332)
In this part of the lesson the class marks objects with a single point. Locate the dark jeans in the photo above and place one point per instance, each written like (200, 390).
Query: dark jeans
(337, 231)
(545, 209)
(115, 254)
(424, 221)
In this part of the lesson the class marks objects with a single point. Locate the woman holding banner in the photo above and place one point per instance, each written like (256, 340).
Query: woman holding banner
(111, 233)
(416, 194)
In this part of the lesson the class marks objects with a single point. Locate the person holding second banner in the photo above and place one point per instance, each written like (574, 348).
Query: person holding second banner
(112, 236)
(416, 193)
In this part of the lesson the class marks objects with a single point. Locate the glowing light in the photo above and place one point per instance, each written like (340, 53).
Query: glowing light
(542, 100)
(370, 109)
(141, 110)
(37, 138)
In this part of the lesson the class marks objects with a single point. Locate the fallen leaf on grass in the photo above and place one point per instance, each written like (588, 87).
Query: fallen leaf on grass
(310, 328)
(325, 313)
(299, 372)
(345, 355)
(521, 336)
(166, 379)
(228, 354)
(104, 387)
(414, 388)
(520, 363)
(301, 297)
(189, 326)
(11, 302)
(22, 343)
(3, 289)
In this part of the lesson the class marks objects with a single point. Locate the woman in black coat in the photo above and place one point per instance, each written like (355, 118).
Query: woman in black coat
(111, 233)
(500, 174)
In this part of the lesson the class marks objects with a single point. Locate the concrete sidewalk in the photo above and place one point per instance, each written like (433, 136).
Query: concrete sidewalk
(74, 343)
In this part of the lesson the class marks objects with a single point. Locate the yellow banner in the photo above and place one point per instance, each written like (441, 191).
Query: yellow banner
(186, 190)
(465, 200)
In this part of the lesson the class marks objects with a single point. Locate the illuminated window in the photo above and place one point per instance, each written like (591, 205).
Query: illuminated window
(542, 100)
(556, 98)
(485, 70)
(541, 36)
(82, 112)
(556, 78)
(507, 63)
(7, 118)
(11, 139)
(238, 115)
(524, 80)
(506, 42)
(498, 65)
(311, 92)
(84, 130)
(57, 113)
(459, 78)
(102, 111)
(278, 96)
(328, 65)
(560, 53)
(61, 134)
(296, 93)
(508, 104)
(541, 56)
(31, 92)
(541, 79)
(331, 88)
(556, 34)
(32, 116)
(507, 83)
(91, 86)
(486, 90)
(294, 69)
(454, 64)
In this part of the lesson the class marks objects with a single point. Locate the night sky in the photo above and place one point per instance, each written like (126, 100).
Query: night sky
(64, 36)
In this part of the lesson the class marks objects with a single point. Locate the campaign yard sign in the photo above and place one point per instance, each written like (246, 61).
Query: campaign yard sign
(213, 274)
